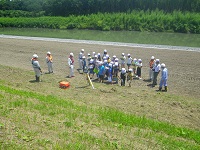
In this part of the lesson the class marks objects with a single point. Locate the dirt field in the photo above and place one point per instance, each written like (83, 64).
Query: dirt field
(183, 66)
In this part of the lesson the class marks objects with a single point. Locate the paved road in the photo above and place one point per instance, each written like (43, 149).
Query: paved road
(165, 47)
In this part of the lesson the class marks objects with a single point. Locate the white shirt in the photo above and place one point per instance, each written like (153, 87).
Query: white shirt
(157, 68)
(129, 60)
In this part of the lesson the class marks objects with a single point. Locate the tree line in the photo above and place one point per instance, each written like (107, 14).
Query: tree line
(84, 7)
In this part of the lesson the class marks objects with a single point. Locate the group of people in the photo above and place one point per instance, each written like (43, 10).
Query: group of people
(109, 68)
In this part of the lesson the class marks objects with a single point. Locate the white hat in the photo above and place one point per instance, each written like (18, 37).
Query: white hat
(110, 65)
(91, 60)
(88, 54)
(99, 54)
(35, 56)
(105, 50)
(163, 65)
(131, 70)
(123, 70)
(139, 60)
(129, 55)
(152, 57)
(157, 60)
(82, 50)
(123, 54)
(93, 52)
(114, 56)
(83, 57)
(71, 54)
(49, 53)
(116, 59)
(95, 56)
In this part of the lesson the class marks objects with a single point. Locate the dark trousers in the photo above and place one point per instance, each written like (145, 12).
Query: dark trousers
(123, 79)
(155, 75)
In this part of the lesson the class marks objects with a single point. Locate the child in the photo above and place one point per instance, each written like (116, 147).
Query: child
(123, 60)
(116, 67)
(84, 64)
(91, 67)
(123, 76)
(129, 60)
(151, 65)
(164, 77)
(134, 64)
(110, 71)
(130, 76)
(101, 72)
(49, 60)
(139, 68)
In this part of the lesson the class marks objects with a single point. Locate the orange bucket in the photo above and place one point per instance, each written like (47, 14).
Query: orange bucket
(64, 84)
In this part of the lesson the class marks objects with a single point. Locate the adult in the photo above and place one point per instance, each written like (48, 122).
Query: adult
(81, 54)
(156, 71)
(164, 77)
(36, 67)
(151, 65)
(49, 61)
(71, 64)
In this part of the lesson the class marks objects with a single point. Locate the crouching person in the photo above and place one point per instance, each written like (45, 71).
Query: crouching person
(36, 67)
(164, 77)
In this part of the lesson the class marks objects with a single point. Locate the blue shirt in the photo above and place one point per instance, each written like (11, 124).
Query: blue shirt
(101, 70)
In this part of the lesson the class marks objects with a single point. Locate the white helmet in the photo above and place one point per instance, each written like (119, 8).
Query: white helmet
(129, 55)
(49, 53)
(163, 65)
(83, 57)
(139, 60)
(71, 54)
(105, 50)
(82, 50)
(130, 70)
(123, 54)
(116, 59)
(152, 57)
(35, 56)
(157, 60)
(123, 70)
(99, 54)
(114, 56)
(95, 56)
(88, 54)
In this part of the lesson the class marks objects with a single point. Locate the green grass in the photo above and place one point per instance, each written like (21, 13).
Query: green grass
(59, 120)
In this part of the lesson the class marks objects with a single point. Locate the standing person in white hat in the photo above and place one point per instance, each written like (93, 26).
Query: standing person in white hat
(156, 71)
(164, 77)
(49, 61)
(129, 61)
(71, 64)
(151, 65)
(123, 60)
(81, 54)
(36, 67)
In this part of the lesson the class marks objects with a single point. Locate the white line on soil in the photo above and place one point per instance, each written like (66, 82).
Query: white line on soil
(166, 47)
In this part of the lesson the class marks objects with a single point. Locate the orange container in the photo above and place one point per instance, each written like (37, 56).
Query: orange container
(64, 84)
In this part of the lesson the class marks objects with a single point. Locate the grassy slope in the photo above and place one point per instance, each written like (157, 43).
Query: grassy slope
(41, 115)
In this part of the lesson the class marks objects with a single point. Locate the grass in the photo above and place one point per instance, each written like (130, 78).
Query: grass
(174, 39)
(51, 118)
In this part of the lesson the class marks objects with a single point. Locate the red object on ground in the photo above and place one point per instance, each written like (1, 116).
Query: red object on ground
(64, 84)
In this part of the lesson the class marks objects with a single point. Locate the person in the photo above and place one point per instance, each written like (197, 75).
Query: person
(110, 73)
(130, 76)
(91, 67)
(71, 64)
(89, 58)
(123, 60)
(139, 68)
(101, 72)
(36, 67)
(116, 67)
(84, 64)
(156, 71)
(99, 57)
(81, 54)
(105, 53)
(49, 61)
(164, 77)
(129, 60)
(134, 64)
(151, 65)
(123, 76)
